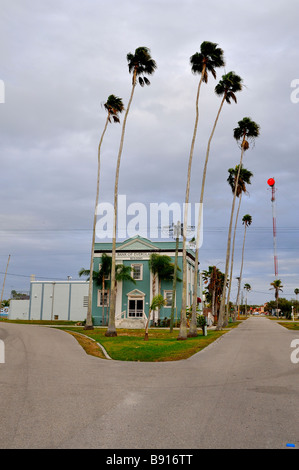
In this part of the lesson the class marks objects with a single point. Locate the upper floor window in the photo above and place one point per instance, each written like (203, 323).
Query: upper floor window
(137, 271)
(168, 298)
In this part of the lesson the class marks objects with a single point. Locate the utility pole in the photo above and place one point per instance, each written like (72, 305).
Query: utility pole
(271, 183)
(4, 281)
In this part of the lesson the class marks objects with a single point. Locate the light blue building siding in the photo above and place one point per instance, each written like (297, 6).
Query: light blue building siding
(133, 299)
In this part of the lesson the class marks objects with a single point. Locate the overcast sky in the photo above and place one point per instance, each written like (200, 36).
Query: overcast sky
(60, 60)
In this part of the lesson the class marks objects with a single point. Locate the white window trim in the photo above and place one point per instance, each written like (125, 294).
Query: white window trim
(99, 299)
(165, 291)
(141, 271)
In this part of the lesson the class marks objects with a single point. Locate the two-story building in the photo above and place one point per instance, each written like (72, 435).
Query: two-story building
(133, 299)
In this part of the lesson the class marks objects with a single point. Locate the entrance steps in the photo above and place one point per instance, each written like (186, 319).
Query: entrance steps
(137, 323)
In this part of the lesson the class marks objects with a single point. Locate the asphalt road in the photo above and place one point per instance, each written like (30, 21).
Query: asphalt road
(242, 392)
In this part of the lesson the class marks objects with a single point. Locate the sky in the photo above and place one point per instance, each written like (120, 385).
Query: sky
(60, 60)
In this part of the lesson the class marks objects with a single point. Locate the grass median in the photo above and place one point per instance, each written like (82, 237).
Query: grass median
(129, 344)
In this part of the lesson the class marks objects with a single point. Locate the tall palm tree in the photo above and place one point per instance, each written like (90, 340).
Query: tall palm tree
(246, 130)
(244, 179)
(278, 287)
(140, 64)
(207, 60)
(114, 106)
(246, 221)
(227, 87)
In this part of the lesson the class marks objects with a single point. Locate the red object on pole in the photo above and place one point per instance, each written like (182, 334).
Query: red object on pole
(271, 181)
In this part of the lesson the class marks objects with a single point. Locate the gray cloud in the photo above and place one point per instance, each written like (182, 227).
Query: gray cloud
(61, 60)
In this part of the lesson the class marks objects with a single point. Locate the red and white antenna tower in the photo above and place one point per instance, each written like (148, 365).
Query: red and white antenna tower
(271, 183)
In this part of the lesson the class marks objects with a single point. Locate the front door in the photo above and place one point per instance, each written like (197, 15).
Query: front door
(135, 308)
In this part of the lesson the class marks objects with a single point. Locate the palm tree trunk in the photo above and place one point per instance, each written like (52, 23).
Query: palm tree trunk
(241, 270)
(88, 324)
(223, 298)
(232, 260)
(193, 317)
(174, 277)
(111, 331)
(183, 322)
(153, 295)
(146, 326)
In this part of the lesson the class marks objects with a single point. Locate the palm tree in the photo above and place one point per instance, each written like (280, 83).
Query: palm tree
(247, 129)
(214, 278)
(247, 287)
(246, 221)
(114, 106)
(177, 233)
(122, 273)
(278, 287)
(140, 64)
(157, 302)
(227, 87)
(104, 273)
(244, 178)
(163, 270)
(296, 292)
(207, 60)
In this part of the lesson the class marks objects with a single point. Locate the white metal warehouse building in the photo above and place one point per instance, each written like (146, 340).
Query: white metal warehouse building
(53, 300)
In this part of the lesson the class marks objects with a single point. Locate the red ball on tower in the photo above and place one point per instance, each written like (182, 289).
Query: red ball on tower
(271, 181)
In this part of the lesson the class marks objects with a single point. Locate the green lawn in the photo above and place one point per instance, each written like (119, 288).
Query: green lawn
(290, 325)
(129, 345)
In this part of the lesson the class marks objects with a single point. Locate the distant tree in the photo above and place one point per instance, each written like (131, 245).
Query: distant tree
(244, 179)
(247, 288)
(246, 221)
(283, 305)
(278, 287)
(296, 291)
(214, 279)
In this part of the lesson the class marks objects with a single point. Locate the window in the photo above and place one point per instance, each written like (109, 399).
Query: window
(137, 272)
(85, 301)
(168, 298)
(100, 298)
